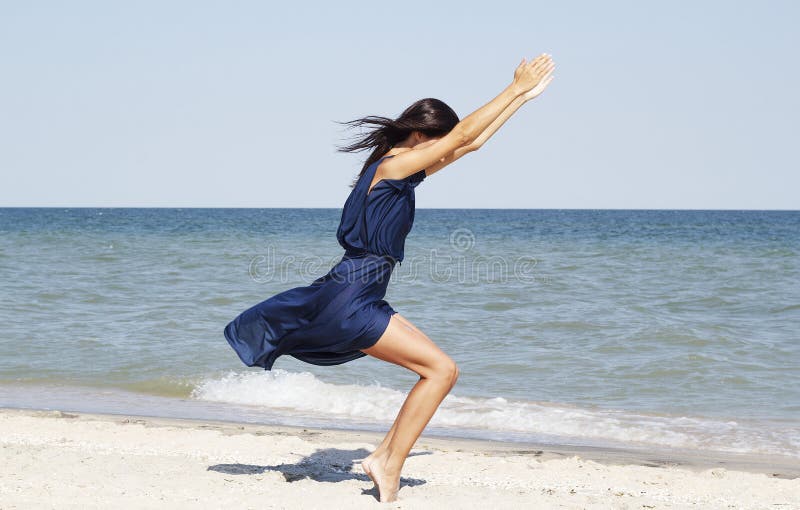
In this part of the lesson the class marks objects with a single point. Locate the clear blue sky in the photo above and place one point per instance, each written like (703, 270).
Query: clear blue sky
(232, 104)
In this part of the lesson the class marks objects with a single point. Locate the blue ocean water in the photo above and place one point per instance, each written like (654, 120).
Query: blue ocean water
(603, 327)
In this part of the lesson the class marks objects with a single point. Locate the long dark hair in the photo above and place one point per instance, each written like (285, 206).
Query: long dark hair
(429, 116)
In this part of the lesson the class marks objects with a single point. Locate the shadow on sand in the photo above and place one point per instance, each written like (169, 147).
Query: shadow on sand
(327, 465)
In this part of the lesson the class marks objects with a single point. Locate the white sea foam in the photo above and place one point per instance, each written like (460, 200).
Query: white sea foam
(303, 393)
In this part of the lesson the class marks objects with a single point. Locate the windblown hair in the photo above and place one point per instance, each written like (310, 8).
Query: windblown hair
(429, 116)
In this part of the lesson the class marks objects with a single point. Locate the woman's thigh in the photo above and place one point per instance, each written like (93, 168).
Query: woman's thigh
(409, 324)
(404, 344)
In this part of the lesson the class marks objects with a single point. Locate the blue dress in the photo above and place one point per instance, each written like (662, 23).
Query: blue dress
(329, 321)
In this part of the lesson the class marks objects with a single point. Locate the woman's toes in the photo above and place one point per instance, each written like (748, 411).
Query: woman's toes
(388, 487)
(388, 495)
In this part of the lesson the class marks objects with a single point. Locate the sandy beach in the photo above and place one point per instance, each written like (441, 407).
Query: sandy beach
(55, 459)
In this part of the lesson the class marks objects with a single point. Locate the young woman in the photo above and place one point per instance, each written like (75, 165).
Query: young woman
(342, 315)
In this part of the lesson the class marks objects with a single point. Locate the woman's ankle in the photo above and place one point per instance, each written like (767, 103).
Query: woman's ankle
(393, 464)
(378, 453)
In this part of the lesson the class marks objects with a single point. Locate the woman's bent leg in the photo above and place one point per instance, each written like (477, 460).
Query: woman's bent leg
(408, 347)
(385, 443)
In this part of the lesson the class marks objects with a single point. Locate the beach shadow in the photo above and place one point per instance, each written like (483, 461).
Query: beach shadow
(329, 465)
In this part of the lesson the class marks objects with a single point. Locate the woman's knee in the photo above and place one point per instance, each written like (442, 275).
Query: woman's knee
(446, 371)
(454, 375)
(412, 349)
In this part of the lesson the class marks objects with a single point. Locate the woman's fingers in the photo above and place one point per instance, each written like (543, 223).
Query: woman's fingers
(542, 63)
(543, 57)
(538, 60)
(542, 71)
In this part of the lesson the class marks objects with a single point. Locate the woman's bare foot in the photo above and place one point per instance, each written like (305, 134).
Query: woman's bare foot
(366, 464)
(385, 478)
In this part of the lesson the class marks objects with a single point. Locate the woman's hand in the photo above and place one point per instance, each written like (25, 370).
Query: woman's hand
(539, 88)
(529, 75)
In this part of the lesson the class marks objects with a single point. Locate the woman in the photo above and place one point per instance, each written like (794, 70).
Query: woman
(342, 316)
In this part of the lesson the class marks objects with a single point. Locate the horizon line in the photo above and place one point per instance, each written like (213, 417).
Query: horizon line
(418, 208)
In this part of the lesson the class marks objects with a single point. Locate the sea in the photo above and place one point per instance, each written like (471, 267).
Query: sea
(610, 328)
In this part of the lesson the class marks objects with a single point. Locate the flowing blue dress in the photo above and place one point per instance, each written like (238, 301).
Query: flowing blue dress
(329, 321)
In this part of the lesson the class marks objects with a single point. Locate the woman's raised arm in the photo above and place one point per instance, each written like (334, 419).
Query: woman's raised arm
(526, 77)
(494, 126)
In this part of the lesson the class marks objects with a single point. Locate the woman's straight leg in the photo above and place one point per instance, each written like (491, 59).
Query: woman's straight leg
(407, 346)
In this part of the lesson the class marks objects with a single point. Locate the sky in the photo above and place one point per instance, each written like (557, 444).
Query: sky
(668, 105)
